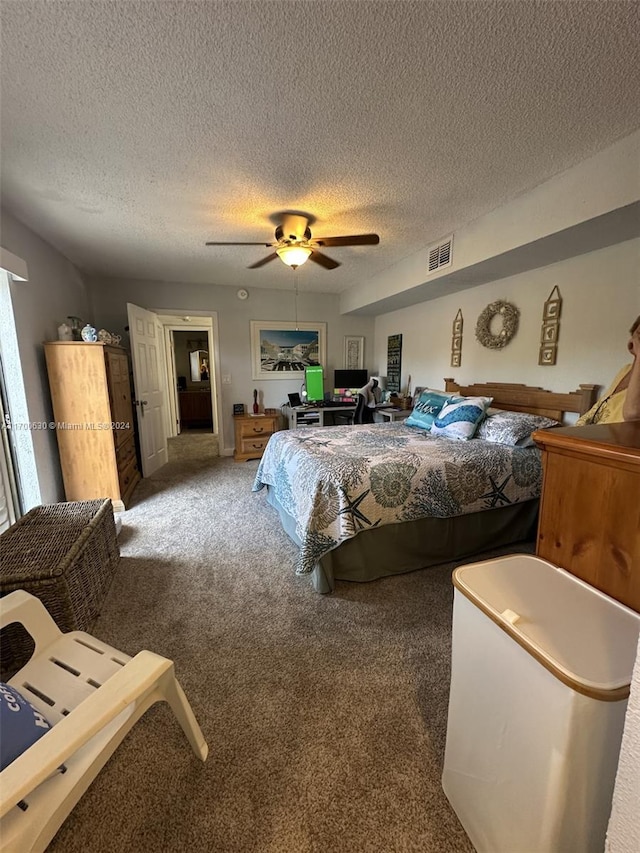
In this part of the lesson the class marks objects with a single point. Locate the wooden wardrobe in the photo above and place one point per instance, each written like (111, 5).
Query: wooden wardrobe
(94, 421)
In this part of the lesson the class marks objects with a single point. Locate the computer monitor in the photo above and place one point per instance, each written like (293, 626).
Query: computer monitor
(347, 383)
(314, 381)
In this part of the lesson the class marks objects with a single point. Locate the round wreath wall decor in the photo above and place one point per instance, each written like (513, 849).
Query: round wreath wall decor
(510, 316)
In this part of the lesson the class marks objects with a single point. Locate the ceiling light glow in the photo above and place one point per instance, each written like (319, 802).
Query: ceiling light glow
(293, 256)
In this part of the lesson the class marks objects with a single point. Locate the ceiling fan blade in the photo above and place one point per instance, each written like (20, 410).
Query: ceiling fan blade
(324, 260)
(264, 261)
(352, 240)
(239, 244)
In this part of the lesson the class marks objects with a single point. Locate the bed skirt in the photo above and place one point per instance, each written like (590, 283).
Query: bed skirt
(398, 548)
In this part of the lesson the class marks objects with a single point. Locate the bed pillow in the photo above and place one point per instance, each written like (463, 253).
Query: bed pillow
(21, 724)
(459, 418)
(512, 428)
(427, 407)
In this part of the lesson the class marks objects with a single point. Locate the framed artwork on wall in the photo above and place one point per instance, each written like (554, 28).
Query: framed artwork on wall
(552, 309)
(547, 354)
(550, 330)
(353, 352)
(456, 339)
(280, 349)
(394, 362)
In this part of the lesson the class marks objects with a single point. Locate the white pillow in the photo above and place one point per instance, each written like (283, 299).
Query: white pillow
(512, 428)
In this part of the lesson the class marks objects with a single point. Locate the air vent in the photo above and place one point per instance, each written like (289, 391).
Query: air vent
(440, 255)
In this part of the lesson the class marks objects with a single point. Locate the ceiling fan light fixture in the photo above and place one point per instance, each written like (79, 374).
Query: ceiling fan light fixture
(293, 256)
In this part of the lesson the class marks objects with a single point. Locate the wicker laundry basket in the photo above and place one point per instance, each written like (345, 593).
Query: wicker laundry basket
(66, 555)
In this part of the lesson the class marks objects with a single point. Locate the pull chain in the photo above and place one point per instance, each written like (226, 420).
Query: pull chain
(295, 285)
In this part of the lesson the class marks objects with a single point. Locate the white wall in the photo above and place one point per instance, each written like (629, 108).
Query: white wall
(55, 289)
(110, 297)
(601, 298)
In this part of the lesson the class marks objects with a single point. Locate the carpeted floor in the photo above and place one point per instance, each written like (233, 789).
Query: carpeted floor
(325, 715)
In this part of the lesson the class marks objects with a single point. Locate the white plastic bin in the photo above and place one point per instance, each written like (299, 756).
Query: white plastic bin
(541, 667)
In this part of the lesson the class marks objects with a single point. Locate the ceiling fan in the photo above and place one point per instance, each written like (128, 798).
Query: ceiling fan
(294, 244)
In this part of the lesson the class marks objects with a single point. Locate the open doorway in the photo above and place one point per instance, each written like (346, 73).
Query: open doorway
(193, 380)
(193, 374)
(157, 386)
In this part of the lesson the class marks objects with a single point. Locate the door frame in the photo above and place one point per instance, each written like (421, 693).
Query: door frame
(181, 321)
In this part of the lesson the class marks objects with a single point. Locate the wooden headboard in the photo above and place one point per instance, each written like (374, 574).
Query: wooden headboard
(527, 398)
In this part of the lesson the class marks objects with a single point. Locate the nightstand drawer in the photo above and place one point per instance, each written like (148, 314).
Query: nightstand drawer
(253, 445)
(253, 429)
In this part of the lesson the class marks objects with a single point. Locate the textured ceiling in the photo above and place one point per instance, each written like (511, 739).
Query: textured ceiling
(133, 132)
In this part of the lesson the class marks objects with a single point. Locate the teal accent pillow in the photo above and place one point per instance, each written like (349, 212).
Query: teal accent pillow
(427, 408)
(21, 725)
(460, 418)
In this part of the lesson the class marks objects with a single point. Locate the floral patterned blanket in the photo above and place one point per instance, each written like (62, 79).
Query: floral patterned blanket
(338, 481)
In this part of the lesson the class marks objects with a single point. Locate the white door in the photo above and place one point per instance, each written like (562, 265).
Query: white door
(147, 350)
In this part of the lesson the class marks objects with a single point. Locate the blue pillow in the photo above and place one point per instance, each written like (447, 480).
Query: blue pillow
(460, 418)
(427, 408)
(21, 725)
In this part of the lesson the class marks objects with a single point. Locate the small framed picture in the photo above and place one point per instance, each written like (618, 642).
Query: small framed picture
(456, 358)
(552, 309)
(456, 343)
(547, 354)
(550, 332)
(353, 352)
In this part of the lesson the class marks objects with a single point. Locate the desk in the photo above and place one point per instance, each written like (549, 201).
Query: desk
(315, 415)
(392, 414)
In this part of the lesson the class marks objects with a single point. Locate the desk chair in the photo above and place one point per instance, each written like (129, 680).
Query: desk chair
(92, 695)
(363, 414)
(344, 418)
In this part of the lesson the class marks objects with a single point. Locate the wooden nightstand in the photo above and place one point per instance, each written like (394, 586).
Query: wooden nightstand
(252, 435)
(590, 506)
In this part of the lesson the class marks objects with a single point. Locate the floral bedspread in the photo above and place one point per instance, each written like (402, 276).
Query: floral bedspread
(337, 481)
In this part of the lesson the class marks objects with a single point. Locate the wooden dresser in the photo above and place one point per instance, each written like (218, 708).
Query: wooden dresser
(590, 506)
(91, 396)
(252, 435)
(195, 409)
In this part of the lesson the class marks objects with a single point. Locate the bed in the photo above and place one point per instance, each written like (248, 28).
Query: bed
(364, 502)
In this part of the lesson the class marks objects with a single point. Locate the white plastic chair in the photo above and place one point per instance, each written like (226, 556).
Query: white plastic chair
(92, 695)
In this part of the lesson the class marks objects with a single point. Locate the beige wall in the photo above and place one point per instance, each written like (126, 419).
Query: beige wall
(601, 298)
(110, 299)
(55, 289)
